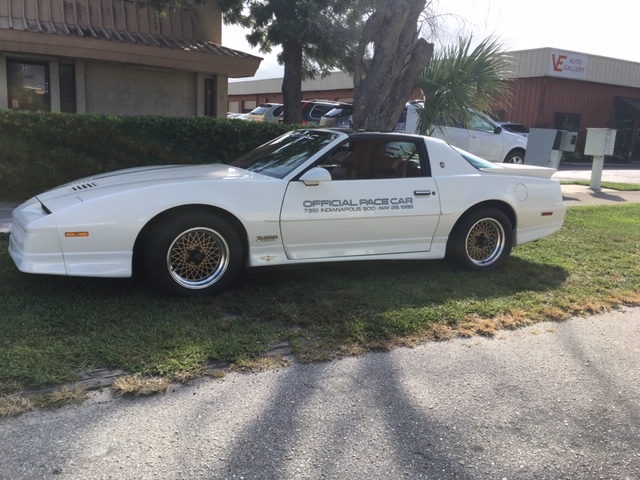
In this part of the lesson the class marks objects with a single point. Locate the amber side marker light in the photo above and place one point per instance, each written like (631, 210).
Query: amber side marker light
(76, 234)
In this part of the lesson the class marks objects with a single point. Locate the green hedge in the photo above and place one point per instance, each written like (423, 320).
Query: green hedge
(39, 151)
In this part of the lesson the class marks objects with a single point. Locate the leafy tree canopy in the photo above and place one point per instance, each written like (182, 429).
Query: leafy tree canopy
(315, 35)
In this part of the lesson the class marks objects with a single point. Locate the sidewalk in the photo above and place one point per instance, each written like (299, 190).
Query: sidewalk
(579, 195)
(573, 195)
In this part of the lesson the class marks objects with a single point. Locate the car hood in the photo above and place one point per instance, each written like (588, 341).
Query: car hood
(521, 170)
(89, 188)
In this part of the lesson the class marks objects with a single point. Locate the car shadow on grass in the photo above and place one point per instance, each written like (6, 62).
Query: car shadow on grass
(377, 284)
(56, 326)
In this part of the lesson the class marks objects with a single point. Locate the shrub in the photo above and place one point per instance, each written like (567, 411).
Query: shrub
(39, 151)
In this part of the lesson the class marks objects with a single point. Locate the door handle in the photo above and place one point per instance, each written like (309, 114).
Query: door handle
(424, 192)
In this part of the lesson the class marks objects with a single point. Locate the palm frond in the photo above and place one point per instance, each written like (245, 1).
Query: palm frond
(459, 78)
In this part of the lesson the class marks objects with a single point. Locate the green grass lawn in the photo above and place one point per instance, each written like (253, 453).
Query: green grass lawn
(623, 187)
(55, 327)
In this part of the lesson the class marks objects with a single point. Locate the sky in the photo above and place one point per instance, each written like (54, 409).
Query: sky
(606, 28)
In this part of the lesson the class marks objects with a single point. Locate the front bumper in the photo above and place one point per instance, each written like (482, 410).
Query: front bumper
(34, 245)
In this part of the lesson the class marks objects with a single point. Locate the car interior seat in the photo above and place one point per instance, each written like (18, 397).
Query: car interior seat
(385, 165)
(344, 168)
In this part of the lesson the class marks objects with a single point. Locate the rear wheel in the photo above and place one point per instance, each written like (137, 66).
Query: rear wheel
(482, 240)
(198, 253)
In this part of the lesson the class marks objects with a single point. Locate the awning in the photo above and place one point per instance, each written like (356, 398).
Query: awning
(627, 108)
(116, 31)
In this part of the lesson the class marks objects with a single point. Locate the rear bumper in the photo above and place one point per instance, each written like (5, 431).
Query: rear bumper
(543, 226)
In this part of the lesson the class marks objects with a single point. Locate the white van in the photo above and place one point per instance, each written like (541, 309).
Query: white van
(483, 138)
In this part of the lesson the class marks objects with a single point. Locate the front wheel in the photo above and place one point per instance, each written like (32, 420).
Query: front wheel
(197, 253)
(515, 157)
(482, 240)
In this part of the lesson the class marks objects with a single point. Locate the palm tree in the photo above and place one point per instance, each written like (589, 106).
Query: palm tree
(457, 80)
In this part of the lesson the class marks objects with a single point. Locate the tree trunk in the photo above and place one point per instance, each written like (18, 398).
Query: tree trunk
(399, 55)
(292, 82)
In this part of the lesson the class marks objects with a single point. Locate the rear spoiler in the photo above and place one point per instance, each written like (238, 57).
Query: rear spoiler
(522, 170)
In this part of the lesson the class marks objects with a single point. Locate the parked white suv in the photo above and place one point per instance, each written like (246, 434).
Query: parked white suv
(483, 138)
(266, 112)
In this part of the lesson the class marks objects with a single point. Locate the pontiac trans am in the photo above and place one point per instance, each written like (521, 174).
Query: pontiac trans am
(314, 195)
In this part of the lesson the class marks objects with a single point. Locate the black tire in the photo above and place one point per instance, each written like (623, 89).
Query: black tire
(193, 254)
(515, 157)
(481, 241)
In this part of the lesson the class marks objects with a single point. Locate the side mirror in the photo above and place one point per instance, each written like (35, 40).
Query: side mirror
(498, 129)
(316, 175)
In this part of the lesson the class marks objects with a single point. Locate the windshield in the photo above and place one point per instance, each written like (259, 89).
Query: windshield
(281, 156)
(260, 110)
(339, 112)
(476, 162)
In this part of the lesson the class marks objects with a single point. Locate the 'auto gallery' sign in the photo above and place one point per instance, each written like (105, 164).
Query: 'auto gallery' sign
(569, 65)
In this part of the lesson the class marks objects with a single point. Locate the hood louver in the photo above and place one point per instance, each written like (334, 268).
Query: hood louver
(84, 186)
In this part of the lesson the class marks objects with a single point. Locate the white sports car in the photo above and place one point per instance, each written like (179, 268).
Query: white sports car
(307, 196)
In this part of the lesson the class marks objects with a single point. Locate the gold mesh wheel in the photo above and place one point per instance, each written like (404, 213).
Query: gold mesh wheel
(485, 241)
(198, 258)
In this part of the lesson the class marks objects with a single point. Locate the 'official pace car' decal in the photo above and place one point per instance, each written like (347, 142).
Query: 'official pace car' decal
(361, 205)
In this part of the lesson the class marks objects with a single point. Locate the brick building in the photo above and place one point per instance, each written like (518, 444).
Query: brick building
(552, 89)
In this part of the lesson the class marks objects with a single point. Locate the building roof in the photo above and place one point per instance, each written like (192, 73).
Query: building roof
(539, 62)
(331, 81)
(119, 30)
(555, 62)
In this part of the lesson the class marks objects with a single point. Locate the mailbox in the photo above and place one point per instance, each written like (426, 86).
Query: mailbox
(568, 141)
(600, 142)
(545, 146)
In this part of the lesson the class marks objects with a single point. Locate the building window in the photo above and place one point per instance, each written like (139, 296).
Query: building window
(67, 88)
(234, 106)
(210, 86)
(566, 121)
(28, 85)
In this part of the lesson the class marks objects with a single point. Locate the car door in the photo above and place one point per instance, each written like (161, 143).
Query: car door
(454, 133)
(385, 203)
(483, 139)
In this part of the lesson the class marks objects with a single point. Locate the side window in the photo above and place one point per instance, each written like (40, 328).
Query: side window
(367, 159)
(401, 124)
(319, 110)
(476, 122)
(451, 122)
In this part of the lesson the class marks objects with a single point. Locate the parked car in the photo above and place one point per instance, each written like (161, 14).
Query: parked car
(266, 112)
(484, 137)
(313, 110)
(341, 116)
(517, 128)
(311, 195)
(240, 116)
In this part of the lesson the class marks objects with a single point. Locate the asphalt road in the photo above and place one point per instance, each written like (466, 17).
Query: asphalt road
(611, 173)
(552, 401)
